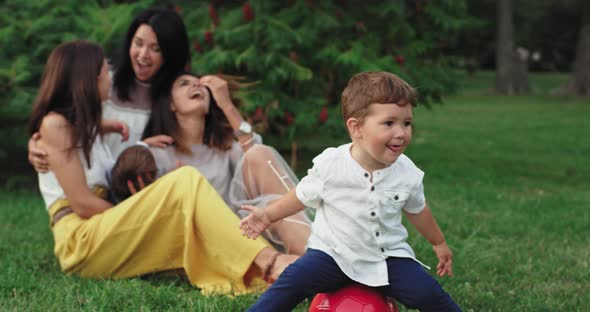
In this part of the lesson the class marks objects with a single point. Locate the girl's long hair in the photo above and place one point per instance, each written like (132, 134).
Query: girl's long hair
(218, 131)
(70, 87)
(173, 41)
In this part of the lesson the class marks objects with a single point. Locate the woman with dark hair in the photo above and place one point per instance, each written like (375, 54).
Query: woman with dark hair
(154, 50)
(172, 224)
(200, 117)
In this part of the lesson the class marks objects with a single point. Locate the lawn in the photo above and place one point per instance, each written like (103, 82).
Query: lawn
(507, 178)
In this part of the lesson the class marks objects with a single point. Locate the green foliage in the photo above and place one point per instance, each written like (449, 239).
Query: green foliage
(297, 55)
(31, 29)
(302, 53)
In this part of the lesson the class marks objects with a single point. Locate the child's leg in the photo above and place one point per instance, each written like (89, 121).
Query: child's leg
(313, 273)
(412, 286)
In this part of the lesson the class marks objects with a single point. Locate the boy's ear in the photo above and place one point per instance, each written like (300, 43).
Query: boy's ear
(354, 127)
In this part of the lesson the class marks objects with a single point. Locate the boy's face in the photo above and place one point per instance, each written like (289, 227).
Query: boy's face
(383, 135)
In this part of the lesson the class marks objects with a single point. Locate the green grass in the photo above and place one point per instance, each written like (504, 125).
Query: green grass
(507, 178)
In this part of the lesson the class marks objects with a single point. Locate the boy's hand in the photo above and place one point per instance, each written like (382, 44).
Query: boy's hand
(160, 140)
(445, 259)
(255, 223)
(113, 125)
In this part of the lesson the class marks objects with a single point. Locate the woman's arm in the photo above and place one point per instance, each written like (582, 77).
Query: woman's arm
(220, 92)
(66, 165)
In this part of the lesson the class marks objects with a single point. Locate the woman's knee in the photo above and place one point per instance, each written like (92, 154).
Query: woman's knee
(259, 153)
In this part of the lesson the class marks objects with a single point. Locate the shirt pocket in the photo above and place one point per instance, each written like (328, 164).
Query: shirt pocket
(393, 201)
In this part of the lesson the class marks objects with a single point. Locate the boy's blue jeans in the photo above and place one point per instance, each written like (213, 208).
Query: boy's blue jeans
(316, 272)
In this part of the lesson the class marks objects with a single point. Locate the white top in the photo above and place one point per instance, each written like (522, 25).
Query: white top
(135, 113)
(358, 221)
(102, 162)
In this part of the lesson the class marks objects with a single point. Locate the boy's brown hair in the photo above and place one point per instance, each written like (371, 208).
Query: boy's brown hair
(134, 161)
(366, 88)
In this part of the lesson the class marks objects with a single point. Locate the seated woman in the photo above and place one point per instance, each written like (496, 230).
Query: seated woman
(200, 116)
(178, 222)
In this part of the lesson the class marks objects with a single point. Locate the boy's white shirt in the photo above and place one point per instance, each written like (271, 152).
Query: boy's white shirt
(350, 214)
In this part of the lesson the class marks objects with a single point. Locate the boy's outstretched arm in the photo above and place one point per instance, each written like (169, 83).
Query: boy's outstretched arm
(426, 225)
(260, 219)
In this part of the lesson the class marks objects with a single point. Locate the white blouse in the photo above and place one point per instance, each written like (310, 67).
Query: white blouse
(358, 221)
(135, 113)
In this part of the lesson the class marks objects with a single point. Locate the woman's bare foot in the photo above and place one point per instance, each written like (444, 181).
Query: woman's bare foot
(281, 262)
(272, 263)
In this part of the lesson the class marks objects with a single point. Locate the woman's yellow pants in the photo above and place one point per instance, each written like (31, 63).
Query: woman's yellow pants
(179, 221)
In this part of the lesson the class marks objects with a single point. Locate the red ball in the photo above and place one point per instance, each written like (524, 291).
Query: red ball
(354, 298)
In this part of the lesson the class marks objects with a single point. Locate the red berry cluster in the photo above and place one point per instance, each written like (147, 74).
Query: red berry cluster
(213, 14)
(248, 12)
(323, 115)
(289, 118)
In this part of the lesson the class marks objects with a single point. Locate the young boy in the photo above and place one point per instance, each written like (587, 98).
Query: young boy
(134, 169)
(359, 190)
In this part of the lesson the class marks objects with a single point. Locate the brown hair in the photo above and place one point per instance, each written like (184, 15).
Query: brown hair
(367, 88)
(218, 131)
(70, 87)
(134, 161)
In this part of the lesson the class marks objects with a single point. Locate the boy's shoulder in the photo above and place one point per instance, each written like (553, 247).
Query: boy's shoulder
(405, 162)
(331, 154)
(405, 167)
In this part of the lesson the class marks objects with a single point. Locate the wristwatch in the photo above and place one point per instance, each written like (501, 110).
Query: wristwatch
(245, 128)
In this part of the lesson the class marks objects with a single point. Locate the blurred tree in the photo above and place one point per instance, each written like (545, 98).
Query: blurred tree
(511, 63)
(581, 70)
(504, 46)
(581, 76)
(546, 28)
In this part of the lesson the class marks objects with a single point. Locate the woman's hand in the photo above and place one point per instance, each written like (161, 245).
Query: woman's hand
(255, 223)
(37, 155)
(117, 126)
(161, 140)
(219, 90)
(445, 259)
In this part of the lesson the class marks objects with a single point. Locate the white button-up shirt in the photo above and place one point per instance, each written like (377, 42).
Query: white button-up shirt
(358, 221)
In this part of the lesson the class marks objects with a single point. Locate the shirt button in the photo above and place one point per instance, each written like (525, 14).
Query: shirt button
(376, 233)
(372, 213)
(396, 197)
(372, 188)
(366, 175)
(382, 250)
